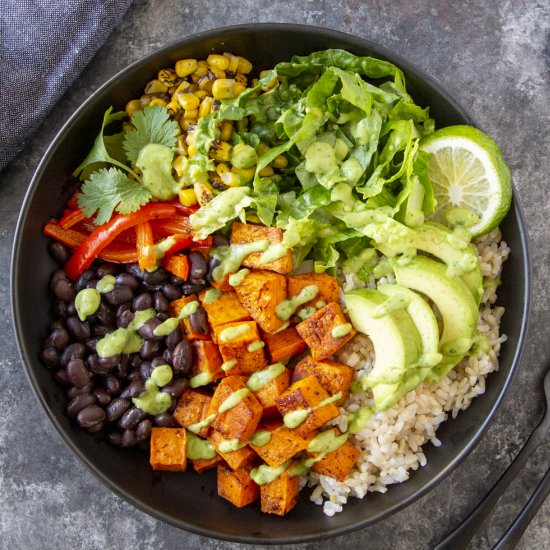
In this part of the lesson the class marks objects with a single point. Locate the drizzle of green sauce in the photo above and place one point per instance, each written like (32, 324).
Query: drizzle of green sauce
(198, 426)
(105, 284)
(259, 439)
(266, 474)
(159, 250)
(273, 253)
(255, 346)
(228, 365)
(211, 295)
(285, 309)
(392, 303)
(306, 312)
(233, 400)
(231, 257)
(230, 445)
(358, 420)
(284, 326)
(260, 378)
(198, 448)
(320, 304)
(154, 401)
(201, 379)
(326, 442)
(230, 333)
(162, 375)
(293, 419)
(171, 324)
(237, 278)
(87, 302)
(341, 330)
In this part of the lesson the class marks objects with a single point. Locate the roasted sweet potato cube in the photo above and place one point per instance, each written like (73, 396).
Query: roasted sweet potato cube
(308, 394)
(248, 233)
(240, 420)
(273, 389)
(203, 464)
(222, 285)
(245, 456)
(192, 408)
(187, 330)
(317, 329)
(284, 344)
(237, 486)
(240, 343)
(207, 358)
(338, 463)
(169, 449)
(334, 377)
(283, 445)
(226, 308)
(260, 293)
(327, 285)
(281, 495)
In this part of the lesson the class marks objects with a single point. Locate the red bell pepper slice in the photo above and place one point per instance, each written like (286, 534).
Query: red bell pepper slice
(71, 218)
(106, 233)
(144, 244)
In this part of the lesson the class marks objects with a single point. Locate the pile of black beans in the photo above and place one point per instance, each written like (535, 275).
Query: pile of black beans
(100, 390)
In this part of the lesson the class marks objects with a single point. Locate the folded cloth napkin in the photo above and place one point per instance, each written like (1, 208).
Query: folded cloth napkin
(44, 45)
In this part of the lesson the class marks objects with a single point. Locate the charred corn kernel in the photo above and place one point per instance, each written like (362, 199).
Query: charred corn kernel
(233, 62)
(186, 123)
(167, 76)
(201, 94)
(239, 89)
(280, 161)
(132, 106)
(205, 83)
(157, 101)
(222, 168)
(188, 101)
(231, 179)
(127, 126)
(219, 61)
(241, 78)
(262, 148)
(220, 150)
(193, 88)
(145, 100)
(184, 67)
(244, 66)
(191, 114)
(182, 88)
(245, 173)
(206, 105)
(173, 107)
(188, 197)
(181, 146)
(172, 90)
(179, 164)
(217, 73)
(266, 172)
(191, 149)
(204, 193)
(224, 88)
(155, 87)
(226, 130)
(201, 70)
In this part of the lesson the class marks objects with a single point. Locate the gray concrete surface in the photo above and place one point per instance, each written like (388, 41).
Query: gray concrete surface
(495, 58)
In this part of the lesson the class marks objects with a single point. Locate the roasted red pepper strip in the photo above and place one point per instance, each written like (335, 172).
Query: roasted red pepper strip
(89, 250)
(71, 218)
(144, 245)
(170, 226)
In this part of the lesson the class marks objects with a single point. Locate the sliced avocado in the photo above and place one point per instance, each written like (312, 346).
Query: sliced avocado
(455, 302)
(396, 341)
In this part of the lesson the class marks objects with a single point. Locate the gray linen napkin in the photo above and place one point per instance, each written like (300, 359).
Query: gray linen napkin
(44, 45)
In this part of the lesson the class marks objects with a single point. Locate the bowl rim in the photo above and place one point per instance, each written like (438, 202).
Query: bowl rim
(377, 51)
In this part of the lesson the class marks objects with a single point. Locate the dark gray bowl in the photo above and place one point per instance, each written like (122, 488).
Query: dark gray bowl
(189, 500)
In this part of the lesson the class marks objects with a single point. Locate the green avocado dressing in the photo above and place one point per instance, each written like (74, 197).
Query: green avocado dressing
(358, 419)
(211, 295)
(273, 253)
(237, 278)
(293, 419)
(201, 379)
(228, 365)
(153, 400)
(261, 438)
(285, 309)
(155, 162)
(306, 312)
(230, 333)
(171, 324)
(340, 331)
(320, 158)
(105, 284)
(233, 400)
(255, 346)
(326, 442)
(159, 250)
(198, 448)
(260, 378)
(198, 426)
(266, 474)
(243, 156)
(88, 300)
(391, 304)
(232, 256)
(231, 445)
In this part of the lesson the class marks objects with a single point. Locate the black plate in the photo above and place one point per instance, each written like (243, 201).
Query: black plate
(189, 500)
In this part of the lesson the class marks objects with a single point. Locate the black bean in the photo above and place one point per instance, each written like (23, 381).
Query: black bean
(199, 321)
(109, 362)
(182, 356)
(74, 391)
(79, 330)
(107, 269)
(171, 291)
(116, 408)
(77, 373)
(112, 385)
(92, 283)
(119, 295)
(73, 351)
(177, 280)
(71, 309)
(147, 330)
(164, 420)
(134, 270)
(102, 396)
(58, 323)
(129, 438)
(136, 388)
(106, 315)
(134, 375)
(58, 274)
(157, 277)
(124, 316)
(189, 288)
(57, 339)
(128, 280)
(173, 339)
(152, 288)
(122, 367)
(143, 430)
(82, 281)
(90, 415)
(176, 388)
(145, 370)
(50, 357)
(142, 301)
(160, 302)
(61, 376)
(197, 266)
(96, 427)
(63, 289)
(172, 408)
(167, 356)
(157, 361)
(60, 309)
(212, 264)
(114, 438)
(162, 316)
(60, 252)
(220, 240)
(131, 418)
(134, 360)
(101, 330)
(91, 344)
(79, 402)
(149, 349)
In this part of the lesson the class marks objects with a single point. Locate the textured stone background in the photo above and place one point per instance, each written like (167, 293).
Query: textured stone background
(495, 58)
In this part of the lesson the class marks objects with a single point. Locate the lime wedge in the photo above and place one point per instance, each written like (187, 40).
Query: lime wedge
(468, 172)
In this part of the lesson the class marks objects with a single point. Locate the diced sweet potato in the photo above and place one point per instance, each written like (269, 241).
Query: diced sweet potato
(192, 408)
(338, 463)
(334, 377)
(284, 344)
(317, 329)
(222, 285)
(168, 449)
(234, 345)
(284, 444)
(307, 394)
(260, 293)
(175, 309)
(248, 233)
(225, 309)
(327, 285)
(240, 421)
(237, 486)
(207, 358)
(245, 456)
(281, 495)
(273, 389)
(203, 464)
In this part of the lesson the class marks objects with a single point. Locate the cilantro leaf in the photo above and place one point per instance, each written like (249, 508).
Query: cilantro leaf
(152, 125)
(108, 190)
